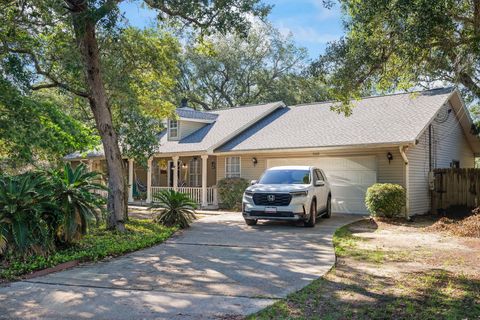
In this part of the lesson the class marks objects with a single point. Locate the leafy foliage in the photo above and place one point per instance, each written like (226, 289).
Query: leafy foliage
(27, 215)
(38, 209)
(35, 129)
(173, 208)
(226, 70)
(96, 245)
(400, 44)
(385, 199)
(76, 199)
(231, 191)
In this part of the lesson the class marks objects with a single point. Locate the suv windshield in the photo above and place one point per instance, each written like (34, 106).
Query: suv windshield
(287, 176)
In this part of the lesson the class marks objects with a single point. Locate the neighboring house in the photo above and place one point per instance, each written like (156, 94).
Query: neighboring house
(395, 138)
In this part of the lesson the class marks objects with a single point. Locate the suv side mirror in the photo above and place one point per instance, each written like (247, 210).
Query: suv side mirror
(319, 183)
(253, 182)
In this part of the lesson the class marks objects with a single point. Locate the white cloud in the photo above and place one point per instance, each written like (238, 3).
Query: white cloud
(305, 34)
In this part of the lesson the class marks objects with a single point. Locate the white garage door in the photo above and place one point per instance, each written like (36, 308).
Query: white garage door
(349, 178)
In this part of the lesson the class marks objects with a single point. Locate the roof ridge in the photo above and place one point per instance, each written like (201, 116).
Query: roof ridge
(244, 106)
(374, 96)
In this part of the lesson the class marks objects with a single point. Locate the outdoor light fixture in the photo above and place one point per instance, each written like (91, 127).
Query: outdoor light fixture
(389, 157)
(184, 165)
(213, 165)
(254, 161)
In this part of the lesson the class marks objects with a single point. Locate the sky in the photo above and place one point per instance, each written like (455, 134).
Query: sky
(311, 25)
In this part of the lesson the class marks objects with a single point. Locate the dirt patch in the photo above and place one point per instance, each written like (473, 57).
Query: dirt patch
(392, 270)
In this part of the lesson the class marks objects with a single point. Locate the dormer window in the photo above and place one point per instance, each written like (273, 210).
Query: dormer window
(173, 128)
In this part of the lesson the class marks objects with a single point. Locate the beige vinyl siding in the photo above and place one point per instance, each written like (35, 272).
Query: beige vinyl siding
(392, 172)
(189, 127)
(448, 143)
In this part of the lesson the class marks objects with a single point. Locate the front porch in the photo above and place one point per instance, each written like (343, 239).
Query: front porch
(193, 175)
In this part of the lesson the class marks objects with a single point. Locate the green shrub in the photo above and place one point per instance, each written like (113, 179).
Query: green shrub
(385, 200)
(173, 209)
(41, 209)
(28, 218)
(76, 200)
(231, 191)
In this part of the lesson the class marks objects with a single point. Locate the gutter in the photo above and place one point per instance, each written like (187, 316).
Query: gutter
(402, 149)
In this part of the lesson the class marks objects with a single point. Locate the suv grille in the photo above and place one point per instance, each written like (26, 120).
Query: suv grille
(272, 199)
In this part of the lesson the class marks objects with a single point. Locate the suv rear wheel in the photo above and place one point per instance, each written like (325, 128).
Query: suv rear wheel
(313, 215)
(251, 222)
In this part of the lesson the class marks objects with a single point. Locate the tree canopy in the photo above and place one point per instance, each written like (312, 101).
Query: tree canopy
(33, 129)
(225, 70)
(401, 44)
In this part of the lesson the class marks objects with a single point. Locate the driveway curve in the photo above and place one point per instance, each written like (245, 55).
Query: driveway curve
(219, 268)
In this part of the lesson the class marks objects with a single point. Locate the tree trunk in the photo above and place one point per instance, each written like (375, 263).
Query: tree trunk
(86, 39)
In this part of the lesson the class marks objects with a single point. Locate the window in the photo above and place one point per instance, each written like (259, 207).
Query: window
(319, 175)
(455, 164)
(194, 172)
(281, 176)
(232, 167)
(173, 128)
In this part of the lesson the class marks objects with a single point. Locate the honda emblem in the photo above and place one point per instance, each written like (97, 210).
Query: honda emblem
(271, 197)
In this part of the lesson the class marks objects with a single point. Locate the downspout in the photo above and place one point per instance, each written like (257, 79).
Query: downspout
(407, 182)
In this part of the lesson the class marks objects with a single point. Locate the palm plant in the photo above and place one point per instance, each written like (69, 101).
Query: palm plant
(25, 200)
(173, 208)
(77, 200)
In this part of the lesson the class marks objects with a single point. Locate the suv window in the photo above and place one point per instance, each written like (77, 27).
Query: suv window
(286, 176)
(319, 175)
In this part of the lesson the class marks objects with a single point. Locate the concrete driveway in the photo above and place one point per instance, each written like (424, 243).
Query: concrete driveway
(217, 269)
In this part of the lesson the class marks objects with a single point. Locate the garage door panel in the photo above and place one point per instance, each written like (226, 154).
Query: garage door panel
(349, 178)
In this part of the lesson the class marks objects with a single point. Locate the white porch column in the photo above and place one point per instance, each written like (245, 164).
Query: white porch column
(204, 180)
(90, 165)
(149, 181)
(130, 180)
(175, 172)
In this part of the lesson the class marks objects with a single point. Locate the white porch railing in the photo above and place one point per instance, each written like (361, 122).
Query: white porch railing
(194, 192)
(103, 193)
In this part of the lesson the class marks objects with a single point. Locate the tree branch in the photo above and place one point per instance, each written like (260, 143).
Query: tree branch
(53, 82)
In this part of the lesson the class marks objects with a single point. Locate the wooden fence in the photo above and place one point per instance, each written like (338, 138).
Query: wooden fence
(455, 187)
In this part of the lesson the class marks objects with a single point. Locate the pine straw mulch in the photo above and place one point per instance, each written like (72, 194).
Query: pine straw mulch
(466, 227)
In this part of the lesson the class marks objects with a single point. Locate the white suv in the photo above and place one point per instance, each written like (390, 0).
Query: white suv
(288, 193)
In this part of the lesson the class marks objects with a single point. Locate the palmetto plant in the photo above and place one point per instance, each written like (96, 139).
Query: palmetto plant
(76, 199)
(173, 208)
(25, 202)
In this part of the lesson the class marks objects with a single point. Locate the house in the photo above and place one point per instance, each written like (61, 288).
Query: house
(396, 138)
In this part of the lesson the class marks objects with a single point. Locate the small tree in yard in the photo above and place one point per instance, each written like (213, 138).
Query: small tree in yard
(385, 200)
(173, 209)
(231, 191)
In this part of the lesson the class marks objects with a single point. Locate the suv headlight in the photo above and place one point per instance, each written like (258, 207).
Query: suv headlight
(299, 194)
(248, 193)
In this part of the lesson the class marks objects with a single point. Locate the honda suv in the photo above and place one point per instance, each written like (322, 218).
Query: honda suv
(299, 193)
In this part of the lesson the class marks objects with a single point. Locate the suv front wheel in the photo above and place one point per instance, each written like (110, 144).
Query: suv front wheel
(328, 211)
(313, 215)
(251, 222)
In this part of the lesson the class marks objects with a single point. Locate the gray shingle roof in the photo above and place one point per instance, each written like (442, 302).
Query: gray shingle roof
(98, 152)
(189, 113)
(389, 119)
(228, 123)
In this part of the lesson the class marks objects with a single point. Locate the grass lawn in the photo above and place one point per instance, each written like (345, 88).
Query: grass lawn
(98, 244)
(391, 271)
